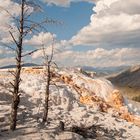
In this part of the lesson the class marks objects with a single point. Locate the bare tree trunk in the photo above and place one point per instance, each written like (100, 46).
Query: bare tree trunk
(23, 31)
(47, 92)
(16, 95)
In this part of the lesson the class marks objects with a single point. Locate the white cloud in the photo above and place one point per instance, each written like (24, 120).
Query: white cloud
(125, 6)
(115, 24)
(98, 57)
(41, 39)
(101, 57)
(58, 47)
(9, 10)
(65, 3)
(7, 61)
(6, 20)
(5, 51)
(58, 2)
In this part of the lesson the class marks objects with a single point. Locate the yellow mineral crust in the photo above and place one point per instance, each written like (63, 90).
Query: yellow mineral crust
(115, 101)
(32, 70)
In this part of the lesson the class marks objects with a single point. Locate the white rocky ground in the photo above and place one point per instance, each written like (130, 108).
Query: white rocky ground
(64, 106)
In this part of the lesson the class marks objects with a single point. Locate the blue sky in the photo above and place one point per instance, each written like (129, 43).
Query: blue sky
(73, 18)
(94, 32)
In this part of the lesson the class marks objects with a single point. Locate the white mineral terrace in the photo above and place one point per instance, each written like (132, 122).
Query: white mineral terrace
(77, 100)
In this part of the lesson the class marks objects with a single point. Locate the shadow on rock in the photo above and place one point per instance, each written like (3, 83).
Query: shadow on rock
(98, 132)
(6, 97)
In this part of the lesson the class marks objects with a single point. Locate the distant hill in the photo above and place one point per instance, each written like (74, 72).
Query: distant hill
(129, 77)
(24, 65)
(103, 71)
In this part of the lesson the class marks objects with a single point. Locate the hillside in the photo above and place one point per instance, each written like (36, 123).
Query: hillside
(13, 66)
(89, 108)
(129, 78)
(106, 70)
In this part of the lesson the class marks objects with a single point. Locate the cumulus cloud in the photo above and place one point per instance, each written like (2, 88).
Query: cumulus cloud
(9, 10)
(6, 20)
(40, 39)
(115, 24)
(58, 46)
(98, 57)
(130, 7)
(101, 57)
(5, 51)
(58, 2)
(65, 3)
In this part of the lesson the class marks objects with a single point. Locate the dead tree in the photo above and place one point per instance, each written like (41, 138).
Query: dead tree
(47, 64)
(19, 47)
(24, 26)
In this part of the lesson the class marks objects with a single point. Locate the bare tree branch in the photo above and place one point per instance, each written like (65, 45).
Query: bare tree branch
(56, 66)
(32, 27)
(52, 51)
(12, 73)
(14, 18)
(36, 25)
(30, 53)
(13, 38)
